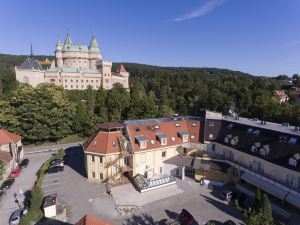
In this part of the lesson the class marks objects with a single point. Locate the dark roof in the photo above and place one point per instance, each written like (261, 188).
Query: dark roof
(279, 150)
(111, 125)
(141, 138)
(31, 63)
(161, 135)
(182, 133)
(49, 200)
(198, 163)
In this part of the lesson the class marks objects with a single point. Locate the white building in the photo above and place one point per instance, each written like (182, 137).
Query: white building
(76, 67)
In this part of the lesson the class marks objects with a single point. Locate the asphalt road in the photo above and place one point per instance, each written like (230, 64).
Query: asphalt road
(43, 149)
(24, 183)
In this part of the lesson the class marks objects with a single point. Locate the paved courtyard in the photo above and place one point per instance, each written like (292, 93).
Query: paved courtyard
(83, 197)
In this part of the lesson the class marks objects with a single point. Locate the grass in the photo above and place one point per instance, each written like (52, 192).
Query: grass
(66, 140)
(35, 202)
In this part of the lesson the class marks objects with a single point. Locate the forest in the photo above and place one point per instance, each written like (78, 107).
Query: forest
(49, 113)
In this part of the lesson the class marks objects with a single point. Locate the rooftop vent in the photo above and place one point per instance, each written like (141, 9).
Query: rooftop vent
(137, 129)
(194, 124)
(177, 125)
(152, 142)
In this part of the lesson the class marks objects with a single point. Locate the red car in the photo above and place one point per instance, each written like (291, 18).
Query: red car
(14, 173)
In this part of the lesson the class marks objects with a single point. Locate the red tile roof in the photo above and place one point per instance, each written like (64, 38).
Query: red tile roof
(168, 128)
(122, 69)
(90, 220)
(5, 156)
(102, 142)
(7, 137)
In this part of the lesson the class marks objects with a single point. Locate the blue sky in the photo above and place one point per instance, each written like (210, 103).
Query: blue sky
(261, 37)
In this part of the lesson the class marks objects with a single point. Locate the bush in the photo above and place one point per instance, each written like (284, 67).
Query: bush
(59, 155)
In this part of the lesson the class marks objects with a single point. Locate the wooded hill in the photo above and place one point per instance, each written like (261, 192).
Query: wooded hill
(155, 91)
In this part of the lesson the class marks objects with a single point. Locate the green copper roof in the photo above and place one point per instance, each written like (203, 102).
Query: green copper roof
(94, 43)
(68, 39)
(75, 48)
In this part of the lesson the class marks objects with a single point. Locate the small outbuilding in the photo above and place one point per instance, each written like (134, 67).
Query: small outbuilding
(49, 205)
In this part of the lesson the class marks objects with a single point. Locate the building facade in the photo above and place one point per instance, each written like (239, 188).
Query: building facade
(215, 148)
(76, 67)
(11, 149)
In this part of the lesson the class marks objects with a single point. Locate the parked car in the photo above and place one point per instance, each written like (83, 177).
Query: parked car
(185, 218)
(24, 163)
(7, 184)
(57, 162)
(2, 194)
(227, 195)
(16, 216)
(14, 173)
(55, 169)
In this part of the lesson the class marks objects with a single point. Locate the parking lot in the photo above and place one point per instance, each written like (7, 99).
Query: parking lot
(83, 197)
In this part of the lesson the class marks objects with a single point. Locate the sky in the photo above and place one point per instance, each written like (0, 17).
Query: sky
(260, 37)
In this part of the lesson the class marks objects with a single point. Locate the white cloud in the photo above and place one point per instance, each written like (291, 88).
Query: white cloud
(204, 9)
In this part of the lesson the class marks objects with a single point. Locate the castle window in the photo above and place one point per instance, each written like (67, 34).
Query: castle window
(66, 86)
(71, 86)
(92, 81)
(76, 80)
(101, 176)
(163, 154)
(114, 144)
(106, 80)
(76, 86)
(71, 80)
(81, 86)
(66, 81)
(52, 80)
(59, 80)
(87, 81)
(97, 81)
(81, 81)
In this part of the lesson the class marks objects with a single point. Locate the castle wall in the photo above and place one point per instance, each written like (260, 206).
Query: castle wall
(31, 77)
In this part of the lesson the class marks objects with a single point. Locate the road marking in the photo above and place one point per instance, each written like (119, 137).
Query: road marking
(50, 179)
(49, 185)
(51, 189)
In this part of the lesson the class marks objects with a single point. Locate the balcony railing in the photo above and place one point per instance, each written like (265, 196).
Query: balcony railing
(260, 174)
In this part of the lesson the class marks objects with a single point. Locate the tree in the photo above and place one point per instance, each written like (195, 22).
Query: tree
(266, 211)
(257, 201)
(90, 99)
(2, 169)
(100, 105)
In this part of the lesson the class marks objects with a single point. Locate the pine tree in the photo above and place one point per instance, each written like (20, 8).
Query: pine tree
(257, 201)
(266, 211)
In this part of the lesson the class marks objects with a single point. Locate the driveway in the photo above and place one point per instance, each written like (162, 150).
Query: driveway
(24, 183)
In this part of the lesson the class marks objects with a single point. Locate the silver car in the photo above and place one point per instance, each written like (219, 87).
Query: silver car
(16, 217)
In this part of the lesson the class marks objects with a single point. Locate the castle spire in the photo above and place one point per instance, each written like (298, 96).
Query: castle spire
(68, 39)
(94, 43)
(31, 51)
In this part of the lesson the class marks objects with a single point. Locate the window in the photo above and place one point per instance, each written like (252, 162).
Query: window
(163, 141)
(126, 161)
(65, 80)
(143, 144)
(93, 174)
(93, 158)
(160, 170)
(173, 138)
(52, 80)
(192, 137)
(76, 86)
(87, 81)
(96, 81)
(59, 80)
(107, 80)
(210, 136)
(76, 80)
(213, 147)
(185, 138)
(293, 162)
(101, 176)
(232, 142)
(230, 126)
(249, 130)
(253, 149)
(66, 86)
(81, 81)
(92, 81)
(81, 86)
(156, 127)
(114, 144)
(226, 140)
(163, 154)
(71, 81)
(262, 152)
(100, 158)
(211, 123)
(71, 86)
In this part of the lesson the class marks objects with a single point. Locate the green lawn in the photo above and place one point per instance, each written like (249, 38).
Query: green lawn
(69, 139)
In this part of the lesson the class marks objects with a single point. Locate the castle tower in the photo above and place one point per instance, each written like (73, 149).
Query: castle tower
(68, 40)
(123, 72)
(94, 53)
(105, 69)
(58, 54)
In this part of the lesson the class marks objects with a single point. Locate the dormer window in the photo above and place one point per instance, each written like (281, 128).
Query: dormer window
(230, 126)
(184, 135)
(227, 138)
(249, 130)
(162, 138)
(234, 140)
(256, 132)
(264, 151)
(156, 127)
(142, 141)
(114, 143)
(293, 161)
(255, 147)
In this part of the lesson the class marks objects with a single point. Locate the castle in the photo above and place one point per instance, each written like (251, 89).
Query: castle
(76, 67)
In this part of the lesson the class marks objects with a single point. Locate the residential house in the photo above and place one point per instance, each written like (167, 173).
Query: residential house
(11, 149)
(282, 96)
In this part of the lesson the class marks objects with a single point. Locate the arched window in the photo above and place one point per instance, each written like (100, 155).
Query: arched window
(25, 80)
